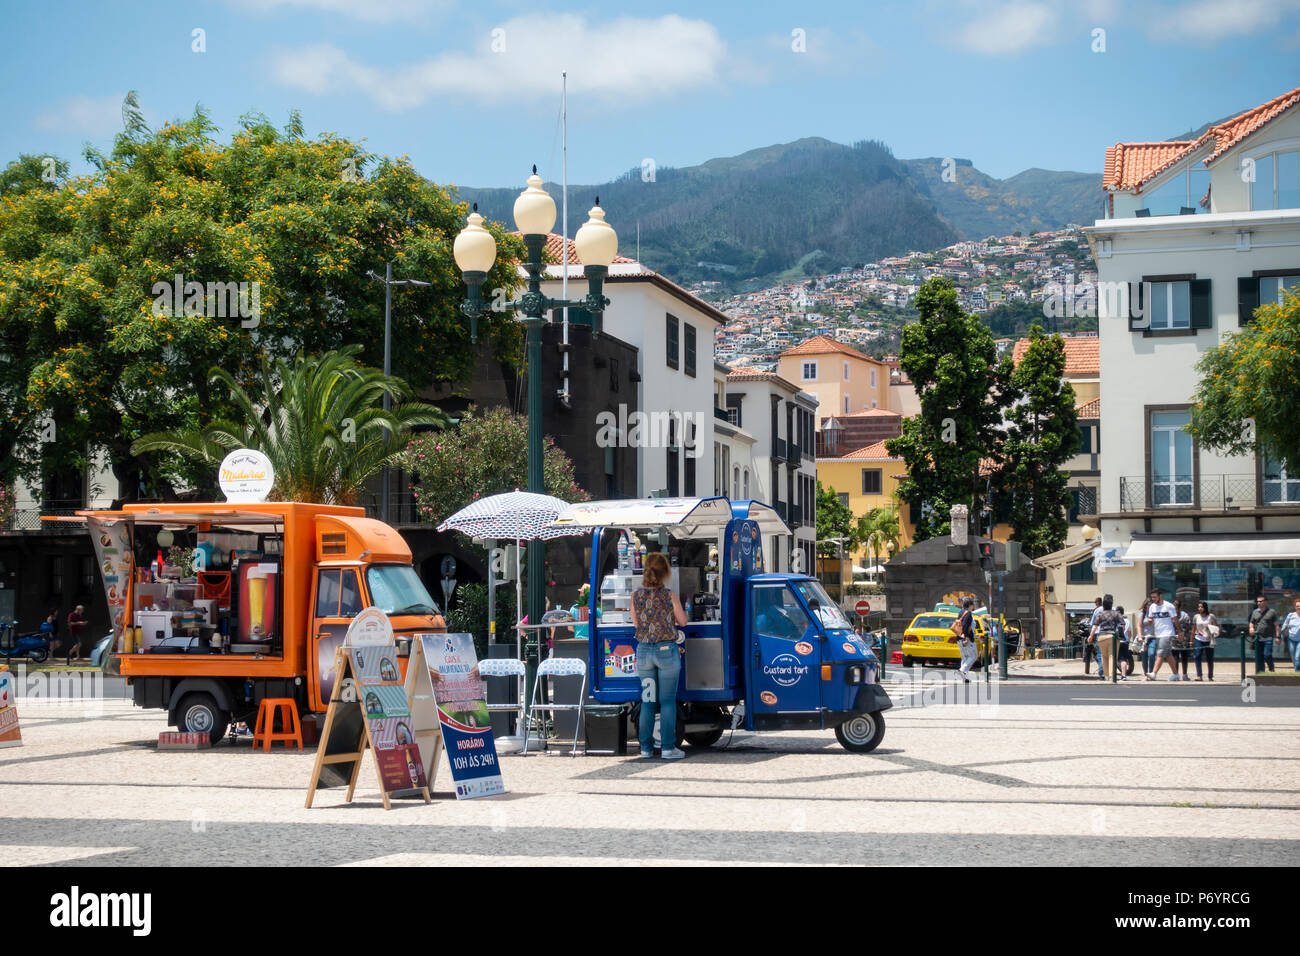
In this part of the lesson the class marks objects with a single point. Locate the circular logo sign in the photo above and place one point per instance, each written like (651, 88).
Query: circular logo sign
(768, 698)
(850, 648)
(863, 608)
(803, 647)
(448, 566)
(785, 670)
(246, 476)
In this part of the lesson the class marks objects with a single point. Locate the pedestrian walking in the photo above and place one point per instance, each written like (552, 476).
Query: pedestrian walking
(966, 638)
(1263, 627)
(76, 631)
(1164, 620)
(50, 627)
(1146, 630)
(1090, 649)
(1206, 628)
(1291, 631)
(1125, 646)
(1109, 625)
(1182, 641)
(656, 614)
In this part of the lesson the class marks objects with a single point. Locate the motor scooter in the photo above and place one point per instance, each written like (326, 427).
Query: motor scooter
(35, 647)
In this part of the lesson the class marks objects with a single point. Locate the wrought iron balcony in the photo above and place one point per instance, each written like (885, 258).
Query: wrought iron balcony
(1201, 493)
(29, 519)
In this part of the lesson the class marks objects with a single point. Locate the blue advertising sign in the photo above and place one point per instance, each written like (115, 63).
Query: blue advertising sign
(463, 716)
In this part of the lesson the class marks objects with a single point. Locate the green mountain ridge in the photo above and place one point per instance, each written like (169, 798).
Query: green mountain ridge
(812, 206)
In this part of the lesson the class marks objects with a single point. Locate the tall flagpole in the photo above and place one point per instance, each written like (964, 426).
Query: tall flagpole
(564, 223)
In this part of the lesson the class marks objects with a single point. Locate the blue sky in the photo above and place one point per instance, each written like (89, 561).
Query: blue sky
(470, 91)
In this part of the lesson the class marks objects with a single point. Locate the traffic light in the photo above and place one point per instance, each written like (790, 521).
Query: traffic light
(1013, 556)
(986, 555)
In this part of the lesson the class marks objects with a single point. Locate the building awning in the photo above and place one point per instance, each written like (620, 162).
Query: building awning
(1176, 548)
(1074, 554)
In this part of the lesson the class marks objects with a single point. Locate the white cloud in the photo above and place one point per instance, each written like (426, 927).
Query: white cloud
(373, 11)
(84, 115)
(1008, 28)
(1212, 20)
(628, 60)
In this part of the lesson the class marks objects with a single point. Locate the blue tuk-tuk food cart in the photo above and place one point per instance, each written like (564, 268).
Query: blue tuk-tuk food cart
(761, 651)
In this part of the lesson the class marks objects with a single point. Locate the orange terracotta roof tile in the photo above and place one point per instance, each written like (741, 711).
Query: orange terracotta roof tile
(1129, 165)
(1090, 409)
(1082, 356)
(823, 344)
(1231, 132)
(554, 242)
(873, 452)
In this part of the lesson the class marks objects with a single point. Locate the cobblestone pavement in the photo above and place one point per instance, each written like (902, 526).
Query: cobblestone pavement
(1140, 783)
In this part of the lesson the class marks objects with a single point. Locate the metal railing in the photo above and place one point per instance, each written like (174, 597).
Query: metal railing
(29, 519)
(402, 508)
(1199, 493)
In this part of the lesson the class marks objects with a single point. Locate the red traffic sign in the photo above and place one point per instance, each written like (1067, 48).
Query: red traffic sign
(863, 608)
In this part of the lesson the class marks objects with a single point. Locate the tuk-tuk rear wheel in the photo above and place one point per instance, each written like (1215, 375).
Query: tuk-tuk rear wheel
(862, 733)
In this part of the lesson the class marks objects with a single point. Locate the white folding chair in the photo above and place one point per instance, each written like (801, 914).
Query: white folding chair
(507, 667)
(559, 667)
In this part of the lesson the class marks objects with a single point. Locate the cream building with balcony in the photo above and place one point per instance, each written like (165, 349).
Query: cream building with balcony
(1201, 232)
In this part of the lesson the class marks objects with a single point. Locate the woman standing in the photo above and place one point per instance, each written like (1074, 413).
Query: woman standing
(656, 614)
(1207, 630)
(1182, 641)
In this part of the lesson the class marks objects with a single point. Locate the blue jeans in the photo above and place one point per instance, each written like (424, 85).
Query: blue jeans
(1293, 644)
(1204, 652)
(659, 666)
(1149, 656)
(1266, 652)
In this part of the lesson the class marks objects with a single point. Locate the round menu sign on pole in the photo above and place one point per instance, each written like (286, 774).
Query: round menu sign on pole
(246, 476)
(863, 608)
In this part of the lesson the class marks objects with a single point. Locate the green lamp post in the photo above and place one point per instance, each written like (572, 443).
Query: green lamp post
(475, 252)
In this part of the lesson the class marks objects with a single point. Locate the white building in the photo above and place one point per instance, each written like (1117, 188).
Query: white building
(673, 332)
(733, 446)
(782, 420)
(1205, 229)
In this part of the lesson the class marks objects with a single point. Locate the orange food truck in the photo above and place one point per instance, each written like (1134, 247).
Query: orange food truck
(277, 586)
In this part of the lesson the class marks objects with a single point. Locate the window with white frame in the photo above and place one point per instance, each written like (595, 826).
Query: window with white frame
(1277, 180)
(846, 404)
(1272, 289)
(873, 378)
(1279, 487)
(846, 370)
(809, 371)
(1171, 305)
(1172, 465)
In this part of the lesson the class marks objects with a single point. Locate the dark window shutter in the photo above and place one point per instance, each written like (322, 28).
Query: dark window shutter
(1202, 317)
(1247, 299)
(1141, 315)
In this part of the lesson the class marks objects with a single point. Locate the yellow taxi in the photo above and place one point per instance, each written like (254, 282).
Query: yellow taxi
(928, 639)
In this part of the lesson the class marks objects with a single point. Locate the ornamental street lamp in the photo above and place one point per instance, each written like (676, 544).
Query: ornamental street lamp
(475, 251)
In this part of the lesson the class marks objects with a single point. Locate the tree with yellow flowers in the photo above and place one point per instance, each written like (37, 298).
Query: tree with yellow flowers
(1249, 391)
(95, 340)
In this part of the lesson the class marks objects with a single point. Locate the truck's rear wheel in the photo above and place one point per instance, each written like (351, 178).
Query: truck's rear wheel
(199, 714)
(861, 734)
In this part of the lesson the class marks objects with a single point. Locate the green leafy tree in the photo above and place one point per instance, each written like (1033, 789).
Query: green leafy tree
(963, 389)
(486, 454)
(320, 423)
(1249, 388)
(1041, 436)
(93, 344)
(834, 520)
(877, 530)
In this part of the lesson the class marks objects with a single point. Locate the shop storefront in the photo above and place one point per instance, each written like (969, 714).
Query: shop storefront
(1227, 572)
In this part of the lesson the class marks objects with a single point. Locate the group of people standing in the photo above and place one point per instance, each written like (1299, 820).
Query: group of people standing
(1168, 634)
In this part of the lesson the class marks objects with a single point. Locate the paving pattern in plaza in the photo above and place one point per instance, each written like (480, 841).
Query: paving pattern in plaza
(1146, 782)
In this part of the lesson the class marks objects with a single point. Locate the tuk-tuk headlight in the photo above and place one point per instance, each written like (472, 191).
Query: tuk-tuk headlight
(855, 674)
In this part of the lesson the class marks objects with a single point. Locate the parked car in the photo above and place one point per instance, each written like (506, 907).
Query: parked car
(928, 639)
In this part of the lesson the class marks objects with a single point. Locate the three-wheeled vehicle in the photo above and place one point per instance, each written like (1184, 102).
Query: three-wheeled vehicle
(761, 651)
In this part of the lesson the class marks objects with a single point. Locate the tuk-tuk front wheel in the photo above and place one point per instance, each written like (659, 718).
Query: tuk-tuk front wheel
(862, 733)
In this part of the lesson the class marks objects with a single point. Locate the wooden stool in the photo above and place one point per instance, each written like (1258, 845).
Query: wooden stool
(290, 729)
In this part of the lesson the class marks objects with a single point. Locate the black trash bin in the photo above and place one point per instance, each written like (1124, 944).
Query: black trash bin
(606, 730)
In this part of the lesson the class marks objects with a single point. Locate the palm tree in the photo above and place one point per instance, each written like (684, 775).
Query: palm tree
(318, 423)
(877, 529)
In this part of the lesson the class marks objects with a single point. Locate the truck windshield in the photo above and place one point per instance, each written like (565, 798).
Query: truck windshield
(397, 589)
(828, 612)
